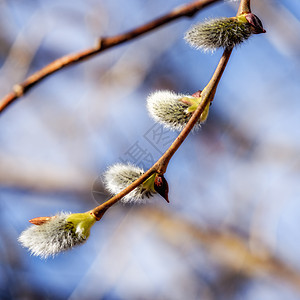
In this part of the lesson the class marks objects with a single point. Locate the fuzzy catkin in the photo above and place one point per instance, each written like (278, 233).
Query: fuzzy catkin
(119, 176)
(218, 33)
(166, 108)
(52, 237)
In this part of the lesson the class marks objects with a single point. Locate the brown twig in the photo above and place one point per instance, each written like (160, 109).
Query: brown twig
(160, 166)
(244, 7)
(207, 96)
(187, 10)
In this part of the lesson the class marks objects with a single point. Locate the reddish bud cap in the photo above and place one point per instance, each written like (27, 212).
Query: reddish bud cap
(161, 186)
(257, 26)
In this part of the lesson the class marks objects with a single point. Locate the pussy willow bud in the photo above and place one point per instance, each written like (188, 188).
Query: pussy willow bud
(174, 110)
(223, 32)
(51, 235)
(119, 176)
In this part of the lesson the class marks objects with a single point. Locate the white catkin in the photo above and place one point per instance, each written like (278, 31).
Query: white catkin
(119, 176)
(52, 237)
(218, 33)
(166, 108)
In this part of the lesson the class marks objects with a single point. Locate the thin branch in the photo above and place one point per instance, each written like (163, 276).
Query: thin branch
(244, 7)
(160, 166)
(187, 10)
(207, 96)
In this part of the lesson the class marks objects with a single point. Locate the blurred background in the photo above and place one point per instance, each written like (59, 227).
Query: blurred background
(231, 230)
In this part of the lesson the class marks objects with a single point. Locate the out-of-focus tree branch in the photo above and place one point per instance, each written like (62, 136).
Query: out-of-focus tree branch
(187, 10)
(228, 248)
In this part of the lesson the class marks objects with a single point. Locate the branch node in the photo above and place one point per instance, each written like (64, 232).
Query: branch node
(18, 90)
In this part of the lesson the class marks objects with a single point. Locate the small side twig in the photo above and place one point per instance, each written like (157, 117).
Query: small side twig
(104, 43)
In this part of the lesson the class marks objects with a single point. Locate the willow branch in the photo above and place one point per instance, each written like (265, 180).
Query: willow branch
(207, 96)
(160, 166)
(244, 7)
(187, 10)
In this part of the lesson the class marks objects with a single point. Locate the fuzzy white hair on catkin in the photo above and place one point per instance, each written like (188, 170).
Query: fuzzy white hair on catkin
(119, 176)
(217, 33)
(52, 237)
(166, 108)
